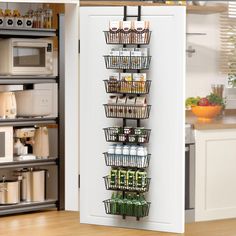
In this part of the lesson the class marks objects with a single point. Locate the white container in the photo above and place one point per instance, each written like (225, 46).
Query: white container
(28, 22)
(118, 150)
(9, 21)
(34, 103)
(133, 151)
(140, 151)
(126, 150)
(1, 21)
(19, 22)
(111, 149)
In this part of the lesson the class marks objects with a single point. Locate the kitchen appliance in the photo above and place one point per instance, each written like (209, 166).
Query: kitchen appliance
(23, 145)
(9, 191)
(189, 173)
(26, 56)
(33, 187)
(34, 102)
(41, 142)
(6, 144)
(7, 105)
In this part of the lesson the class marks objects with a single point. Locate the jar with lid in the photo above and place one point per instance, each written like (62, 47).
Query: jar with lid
(126, 150)
(48, 18)
(140, 151)
(118, 150)
(133, 151)
(111, 149)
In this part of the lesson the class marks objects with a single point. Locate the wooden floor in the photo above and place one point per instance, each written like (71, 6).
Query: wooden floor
(53, 223)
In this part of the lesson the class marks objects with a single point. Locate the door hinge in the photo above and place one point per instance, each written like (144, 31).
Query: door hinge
(79, 46)
(79, 181)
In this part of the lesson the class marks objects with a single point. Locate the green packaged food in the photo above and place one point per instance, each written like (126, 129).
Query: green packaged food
(122, 178)
(113, 178)
(141, 179)
(131, 178)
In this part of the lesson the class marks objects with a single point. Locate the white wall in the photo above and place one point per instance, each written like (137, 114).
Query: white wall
(203, 67)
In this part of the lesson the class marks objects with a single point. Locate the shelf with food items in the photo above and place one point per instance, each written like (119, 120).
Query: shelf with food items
(127, 156)
(131, 204)
(137, 135)
(128, 33)
(128, 83)
(40, 18)
(128, 59)
(128, 107)
(127, 180)
(27, 207)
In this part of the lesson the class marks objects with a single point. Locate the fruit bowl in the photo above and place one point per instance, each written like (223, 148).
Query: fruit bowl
(206, 112)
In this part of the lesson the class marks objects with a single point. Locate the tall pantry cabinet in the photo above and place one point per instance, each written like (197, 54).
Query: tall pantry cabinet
(167, 72)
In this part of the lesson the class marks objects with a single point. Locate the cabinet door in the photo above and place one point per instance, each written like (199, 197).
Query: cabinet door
(167, 73)
(215, 175)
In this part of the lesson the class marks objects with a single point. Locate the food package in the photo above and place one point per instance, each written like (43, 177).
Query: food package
(131, 100)
(1, 18)
(113, 83)
(139, 80)
(114, 26)
(126, 82)
(112, 100)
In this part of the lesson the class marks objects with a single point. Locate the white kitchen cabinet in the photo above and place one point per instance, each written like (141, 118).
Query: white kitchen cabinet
(167, 117)
(215, 174)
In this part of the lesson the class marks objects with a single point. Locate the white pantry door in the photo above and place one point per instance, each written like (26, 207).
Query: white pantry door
(167, 117)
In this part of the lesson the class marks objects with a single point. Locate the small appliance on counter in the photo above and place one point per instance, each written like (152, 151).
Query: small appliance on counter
(26, 56)
(33, 188)
(23, 144)
(33, 103)
(9, 191)
(8, 107)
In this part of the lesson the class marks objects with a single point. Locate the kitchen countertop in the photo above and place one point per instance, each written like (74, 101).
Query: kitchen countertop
(84, 3)
(226, 121)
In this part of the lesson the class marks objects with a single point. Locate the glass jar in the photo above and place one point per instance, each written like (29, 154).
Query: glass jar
(140, 151)
(48, 18)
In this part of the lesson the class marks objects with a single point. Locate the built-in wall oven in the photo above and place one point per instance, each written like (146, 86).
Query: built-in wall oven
(189, 173)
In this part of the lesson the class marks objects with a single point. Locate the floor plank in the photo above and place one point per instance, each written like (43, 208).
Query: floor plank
(54, 223)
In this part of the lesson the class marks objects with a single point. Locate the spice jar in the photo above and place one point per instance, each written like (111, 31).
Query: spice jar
(48, 18)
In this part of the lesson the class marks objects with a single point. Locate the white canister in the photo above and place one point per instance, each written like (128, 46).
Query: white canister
(133, 151)
(126, 150)
(118, 150)
(111, 149)
(140, 151)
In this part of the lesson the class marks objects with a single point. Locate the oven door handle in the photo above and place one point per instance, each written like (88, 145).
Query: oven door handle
(30, 44)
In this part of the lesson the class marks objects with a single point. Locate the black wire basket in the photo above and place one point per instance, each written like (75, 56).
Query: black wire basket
(114, 207)
(130, 37)
(127, 111)
(128, 87)
(128, 62)
(134, 186)
(127, 135)
(132, 161)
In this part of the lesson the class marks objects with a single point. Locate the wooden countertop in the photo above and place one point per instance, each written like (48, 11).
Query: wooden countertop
(226, 121)
(119, 3)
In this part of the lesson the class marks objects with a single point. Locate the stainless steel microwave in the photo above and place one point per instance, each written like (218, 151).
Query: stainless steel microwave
(26, 56)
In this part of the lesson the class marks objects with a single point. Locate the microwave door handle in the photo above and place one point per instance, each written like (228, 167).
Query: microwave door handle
(30, 45)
